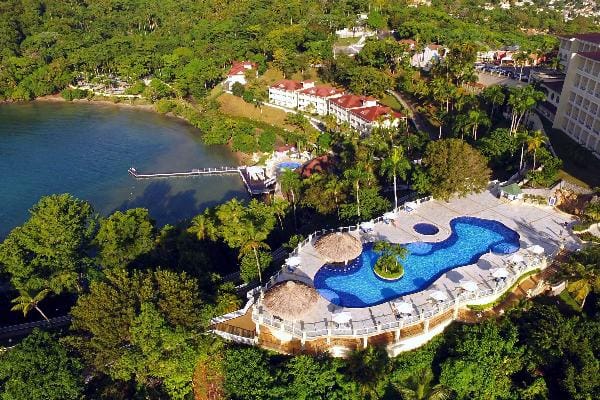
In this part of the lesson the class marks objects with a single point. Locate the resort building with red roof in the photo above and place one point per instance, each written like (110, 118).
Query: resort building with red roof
(366, 118)
(237, 73)
(316, 99)
(340, 107)
(285, 92)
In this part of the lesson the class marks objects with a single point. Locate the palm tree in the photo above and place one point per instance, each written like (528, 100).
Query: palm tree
(335, 186)
(475, 119)
(290, 183)
(520, 58)
(254, 241)
(419, 387)
(279, 207)
(391, 251)
(394, 165)
(494, 95)
(203, 226)
(522, 138)
(583, 273)
(28, 300)
(534, 142)
(354, 177)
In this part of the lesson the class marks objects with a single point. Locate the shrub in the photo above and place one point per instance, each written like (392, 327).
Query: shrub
(72, 94)
(164, 106)
(244, 142)
(237, 89)
(266, 140)
(248, 96)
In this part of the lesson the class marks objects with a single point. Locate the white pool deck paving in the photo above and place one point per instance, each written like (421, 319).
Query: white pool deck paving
(539, 225)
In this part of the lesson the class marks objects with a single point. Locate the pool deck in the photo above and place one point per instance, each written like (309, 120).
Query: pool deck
(536, 225)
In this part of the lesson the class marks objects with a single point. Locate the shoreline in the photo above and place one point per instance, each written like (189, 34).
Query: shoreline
(239, 157)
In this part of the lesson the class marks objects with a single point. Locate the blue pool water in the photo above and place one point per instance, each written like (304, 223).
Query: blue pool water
(426, 229)
(358, 286)
(289, 165)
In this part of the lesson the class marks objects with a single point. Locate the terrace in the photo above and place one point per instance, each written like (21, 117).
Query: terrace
(411, 319)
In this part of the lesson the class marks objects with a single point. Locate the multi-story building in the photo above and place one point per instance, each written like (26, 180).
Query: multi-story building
(366, 118)
(585, 42)
(340, 107)
(553, 89)
(316, 99)
(285, 92)
(578, 112)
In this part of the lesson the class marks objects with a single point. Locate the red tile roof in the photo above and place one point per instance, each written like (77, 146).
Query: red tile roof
(593, 37)
(239, 67)
(433, 46)
(349, 101)
(592, 55)
(372, 114)
(409, 42)
(322, 91)
(286, 84)
(319, 164)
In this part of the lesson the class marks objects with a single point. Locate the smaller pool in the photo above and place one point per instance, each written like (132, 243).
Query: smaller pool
(426, 229)
(288, 165)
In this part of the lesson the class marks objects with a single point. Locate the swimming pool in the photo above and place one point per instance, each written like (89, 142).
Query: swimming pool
(358, 286)
(288, 165)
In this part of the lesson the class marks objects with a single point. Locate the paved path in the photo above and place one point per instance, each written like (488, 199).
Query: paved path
(414, 115)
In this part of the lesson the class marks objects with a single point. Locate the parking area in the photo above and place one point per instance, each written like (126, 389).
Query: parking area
(491, 74)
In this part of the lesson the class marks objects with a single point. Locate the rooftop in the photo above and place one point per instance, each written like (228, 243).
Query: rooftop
(555, 86)
(240, 67)
(592, 55)
(593, 37)
(286, 84)
(322, 91)
(349, 101)
(373, 113)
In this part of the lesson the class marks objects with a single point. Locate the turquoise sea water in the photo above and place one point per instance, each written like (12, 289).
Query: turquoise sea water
(86, 149)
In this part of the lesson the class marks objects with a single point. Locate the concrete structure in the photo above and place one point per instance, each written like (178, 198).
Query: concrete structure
(431, 54)
(382, 324)
(237, 73)
(316, 99)
(570, 44)
(578, 112)
(553, 89)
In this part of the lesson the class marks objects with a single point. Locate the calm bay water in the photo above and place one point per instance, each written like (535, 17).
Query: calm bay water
(86, 149)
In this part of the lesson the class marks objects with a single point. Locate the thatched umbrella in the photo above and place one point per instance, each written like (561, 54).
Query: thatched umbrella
(290, 299)
(338, 247)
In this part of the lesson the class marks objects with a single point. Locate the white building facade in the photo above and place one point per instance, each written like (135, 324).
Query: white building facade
(585, 42)
(315, 100)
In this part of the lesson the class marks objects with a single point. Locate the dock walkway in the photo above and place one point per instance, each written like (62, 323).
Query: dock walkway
(254, 186)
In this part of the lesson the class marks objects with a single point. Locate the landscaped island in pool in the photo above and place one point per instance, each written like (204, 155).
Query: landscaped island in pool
(359, 286)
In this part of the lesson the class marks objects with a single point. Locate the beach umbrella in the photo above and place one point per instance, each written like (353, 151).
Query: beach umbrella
(342, 317)
(469, 286)
(293, 261)
(367, 226)
(338, 247)
(536, 249)
(500, 273)
(438, 295)
(290, 299)
(517, 258)
(390, 215)
(403, 307)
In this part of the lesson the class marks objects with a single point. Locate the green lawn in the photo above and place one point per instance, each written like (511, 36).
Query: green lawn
(580, 166)
(390, 101)
(568, 300)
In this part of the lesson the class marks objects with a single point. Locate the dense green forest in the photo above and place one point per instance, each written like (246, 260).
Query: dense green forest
(44, 45)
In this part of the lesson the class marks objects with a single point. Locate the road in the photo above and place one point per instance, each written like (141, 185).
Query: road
(414, 115)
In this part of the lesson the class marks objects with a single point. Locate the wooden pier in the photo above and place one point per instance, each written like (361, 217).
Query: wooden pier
(195, 172)
(254, 187)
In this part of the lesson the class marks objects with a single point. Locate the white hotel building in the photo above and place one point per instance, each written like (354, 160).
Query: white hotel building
(578, 110)
(360, 112)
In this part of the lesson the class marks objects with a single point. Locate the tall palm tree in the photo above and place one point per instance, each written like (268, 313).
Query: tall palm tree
(354, 177)
(494, 95)
(393, 166)
(522, 138)
(290, 183)
(477, 118)
(27, 300)
(534, 142)
(521, 58)
(254, 243)
(419, 387)
(203, 226)
(583, 273)
(335, 186)
(279, 207)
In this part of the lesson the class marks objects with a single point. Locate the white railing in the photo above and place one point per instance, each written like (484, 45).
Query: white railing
(327, 328)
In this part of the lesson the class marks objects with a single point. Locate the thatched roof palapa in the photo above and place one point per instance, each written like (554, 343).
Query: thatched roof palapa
(290, 299)
(338, 247)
